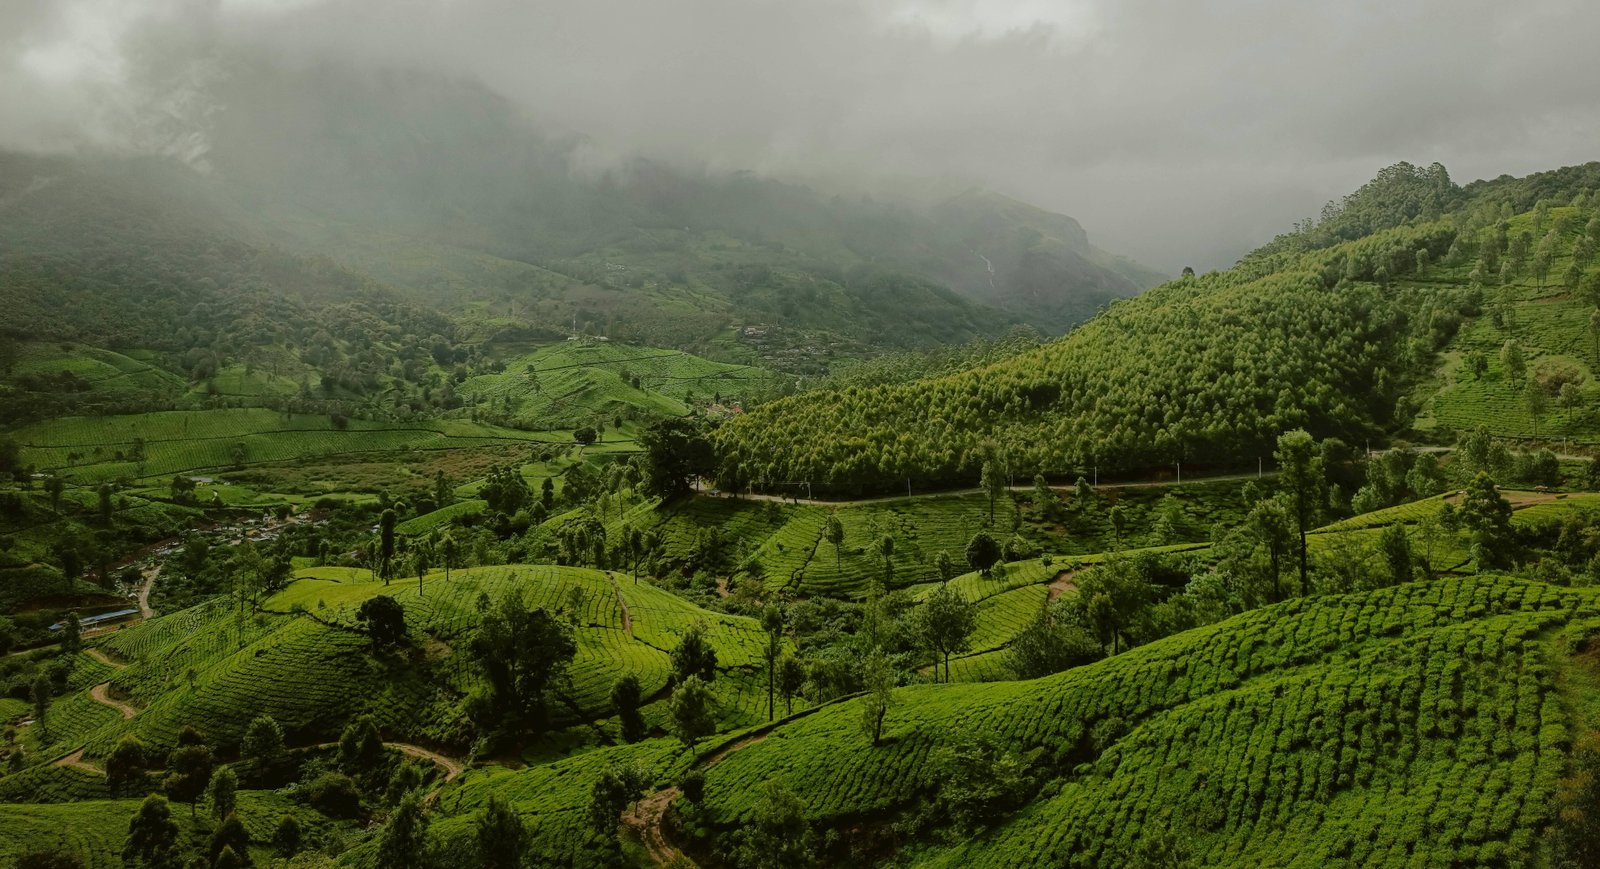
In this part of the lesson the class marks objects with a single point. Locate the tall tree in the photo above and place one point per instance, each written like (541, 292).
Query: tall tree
(1272, 527)
(403, 843)
(1300, 474)
(40, 693)
(772, 624)
(500, 835)
(449, 550)
(1512, 361)
(54, 486)
(879, 678)
(777, 834)
(945, 623)
(835, 535)
(626, 697)
(419, 566)
(1536, 401)
(993, 483)
(884, 546)
(690, 711)
(1487, 514)
(222, 792)
(791, 679)
(384, 621)
(982, 552)
(1044, 498)
(694, 656)
(524, 652)
(152, 836)
(676, 452)
(386, 544)
(125, 765)
(263, 745)
(1395, 544)
(189, 769)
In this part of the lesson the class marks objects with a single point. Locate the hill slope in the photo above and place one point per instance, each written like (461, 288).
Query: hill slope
(441, 191)
(1336, 327)
(1419, 723)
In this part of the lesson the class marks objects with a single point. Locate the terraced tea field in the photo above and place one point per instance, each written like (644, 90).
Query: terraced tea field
(1280, 730)
(89, 450)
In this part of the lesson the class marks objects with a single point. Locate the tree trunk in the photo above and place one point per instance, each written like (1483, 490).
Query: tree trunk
(1305, 584)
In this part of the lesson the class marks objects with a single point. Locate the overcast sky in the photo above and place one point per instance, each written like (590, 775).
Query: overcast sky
(1178, 132)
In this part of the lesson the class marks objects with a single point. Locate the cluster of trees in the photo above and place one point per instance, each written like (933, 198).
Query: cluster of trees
(1206, 370)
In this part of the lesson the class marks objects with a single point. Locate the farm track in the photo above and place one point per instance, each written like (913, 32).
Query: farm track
(648, 815)
(1063, 583)
(75, 761)
(101, 694)
(627, 614)
(103, 658)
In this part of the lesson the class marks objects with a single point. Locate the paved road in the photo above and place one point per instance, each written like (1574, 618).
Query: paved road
(879, 499)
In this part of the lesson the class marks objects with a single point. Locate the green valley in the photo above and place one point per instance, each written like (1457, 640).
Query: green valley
(419, 453)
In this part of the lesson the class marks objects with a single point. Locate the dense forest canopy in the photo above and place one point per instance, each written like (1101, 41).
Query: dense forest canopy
(1324, 328)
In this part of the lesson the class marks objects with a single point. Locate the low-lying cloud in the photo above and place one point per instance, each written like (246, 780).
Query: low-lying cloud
(1179, 133)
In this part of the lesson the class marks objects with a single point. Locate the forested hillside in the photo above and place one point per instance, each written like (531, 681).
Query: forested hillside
(439, 194)
(1337, 327)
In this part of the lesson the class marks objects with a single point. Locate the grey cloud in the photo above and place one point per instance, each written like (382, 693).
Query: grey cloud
(1178, 132)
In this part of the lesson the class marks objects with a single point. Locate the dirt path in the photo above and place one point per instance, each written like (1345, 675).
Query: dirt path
(150, 575)
(646, 818)
(1063, 583)
(648, 815)
(103, 658)
(451, 766)
(75, 761)
(627, 615)
(100, 694)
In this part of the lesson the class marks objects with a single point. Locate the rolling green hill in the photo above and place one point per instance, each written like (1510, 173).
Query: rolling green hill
(1424, 723)
(1355, 327)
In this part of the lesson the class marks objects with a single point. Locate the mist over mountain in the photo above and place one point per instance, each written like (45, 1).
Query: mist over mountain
(454, 196)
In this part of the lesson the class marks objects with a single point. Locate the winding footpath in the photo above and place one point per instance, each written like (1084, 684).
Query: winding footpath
(647, 818)
(627, 614)
(101, 694)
